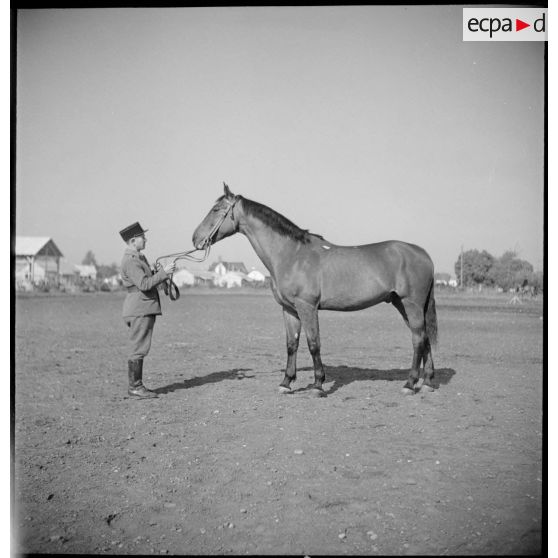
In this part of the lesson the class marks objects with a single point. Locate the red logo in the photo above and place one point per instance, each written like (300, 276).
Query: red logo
(519, 25)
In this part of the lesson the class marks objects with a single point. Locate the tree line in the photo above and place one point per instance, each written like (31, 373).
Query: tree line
(507, 272)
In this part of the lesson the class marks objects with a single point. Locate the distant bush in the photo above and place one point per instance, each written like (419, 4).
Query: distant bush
(506, 272)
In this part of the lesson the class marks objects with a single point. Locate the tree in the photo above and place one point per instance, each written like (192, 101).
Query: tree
(537, 280)
(476, 267)
(509, 271)
(89, 259)
(106, 271)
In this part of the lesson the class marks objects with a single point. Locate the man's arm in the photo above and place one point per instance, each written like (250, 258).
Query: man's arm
(139, 277)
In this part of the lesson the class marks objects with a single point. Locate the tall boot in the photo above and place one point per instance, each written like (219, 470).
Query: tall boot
(135, 384)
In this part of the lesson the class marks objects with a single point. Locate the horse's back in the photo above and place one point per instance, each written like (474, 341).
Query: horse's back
(404, 251)
(385, 257)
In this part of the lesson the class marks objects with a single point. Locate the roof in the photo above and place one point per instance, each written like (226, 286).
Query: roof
(67, 268)
(235, 274)
(205, 274)
(229, 266)
(36, 246)
(85, 270)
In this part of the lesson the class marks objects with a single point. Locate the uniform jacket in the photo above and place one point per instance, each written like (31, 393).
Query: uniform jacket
(144, 298)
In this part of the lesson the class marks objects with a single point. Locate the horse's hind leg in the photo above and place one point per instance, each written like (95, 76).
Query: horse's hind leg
(292, 327)
(413, 314)
(428, 367)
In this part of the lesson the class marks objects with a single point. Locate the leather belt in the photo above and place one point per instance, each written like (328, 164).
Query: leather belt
(132, 289)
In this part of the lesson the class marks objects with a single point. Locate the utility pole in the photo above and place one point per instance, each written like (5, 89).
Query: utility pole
(461, 266)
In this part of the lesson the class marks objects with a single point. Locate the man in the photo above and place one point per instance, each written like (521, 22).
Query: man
(141, 305)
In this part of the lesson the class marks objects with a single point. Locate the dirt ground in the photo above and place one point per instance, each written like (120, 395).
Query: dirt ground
(222, 463)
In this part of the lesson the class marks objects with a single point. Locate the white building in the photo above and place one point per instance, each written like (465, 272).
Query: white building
(86, 271)
(37, 258)
(256, 275)
(230, 279)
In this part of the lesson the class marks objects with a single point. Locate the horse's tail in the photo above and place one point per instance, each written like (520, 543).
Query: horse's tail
(431, 318)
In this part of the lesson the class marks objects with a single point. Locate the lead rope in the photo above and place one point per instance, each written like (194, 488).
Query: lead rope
(169, 286)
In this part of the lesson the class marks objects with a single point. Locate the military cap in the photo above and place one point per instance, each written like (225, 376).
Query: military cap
(135, 229)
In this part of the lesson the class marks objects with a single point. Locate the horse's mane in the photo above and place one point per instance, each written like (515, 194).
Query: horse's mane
(276, 221)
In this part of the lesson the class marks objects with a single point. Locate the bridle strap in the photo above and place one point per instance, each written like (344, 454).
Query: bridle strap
(169, 286)
(218, 224)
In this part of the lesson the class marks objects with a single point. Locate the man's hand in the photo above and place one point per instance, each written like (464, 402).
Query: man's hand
(170, 268)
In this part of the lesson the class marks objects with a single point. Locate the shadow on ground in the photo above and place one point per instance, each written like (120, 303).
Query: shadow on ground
(214, 377)
(341, 376)
(345, 375)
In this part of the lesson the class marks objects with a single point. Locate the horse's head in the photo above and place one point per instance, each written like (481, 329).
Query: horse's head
(218, 223)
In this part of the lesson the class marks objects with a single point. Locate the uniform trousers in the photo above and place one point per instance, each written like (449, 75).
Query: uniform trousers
(141, 331)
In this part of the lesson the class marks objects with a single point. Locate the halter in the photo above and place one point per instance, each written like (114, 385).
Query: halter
(170, 288)
(217, 226)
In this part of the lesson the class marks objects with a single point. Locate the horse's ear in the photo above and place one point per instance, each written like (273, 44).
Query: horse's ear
(228, 193)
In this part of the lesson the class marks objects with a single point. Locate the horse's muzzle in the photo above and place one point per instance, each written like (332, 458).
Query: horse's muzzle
(201, 244)
(198, 242)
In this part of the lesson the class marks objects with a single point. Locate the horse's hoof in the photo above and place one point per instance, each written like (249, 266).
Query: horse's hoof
(318, 392)
(426, 388)
(408, 391)
(285, 390)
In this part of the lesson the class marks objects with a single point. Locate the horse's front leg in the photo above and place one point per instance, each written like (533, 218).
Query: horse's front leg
(309, 316)
(292, 327)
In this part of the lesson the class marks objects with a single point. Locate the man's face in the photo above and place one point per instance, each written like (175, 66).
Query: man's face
(139, 242)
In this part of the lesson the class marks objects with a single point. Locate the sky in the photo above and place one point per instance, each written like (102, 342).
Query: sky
(361, 123)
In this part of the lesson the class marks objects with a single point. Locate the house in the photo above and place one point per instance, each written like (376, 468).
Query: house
(220, 267)
(22, 276)
(230, 279)
(256, 276)
(74, 277)
(68, 275)
(37, 260)
(205, 278)
(22, 271)
(86, 271)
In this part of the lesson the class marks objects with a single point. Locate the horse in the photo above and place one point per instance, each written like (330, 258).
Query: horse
(309, 273)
